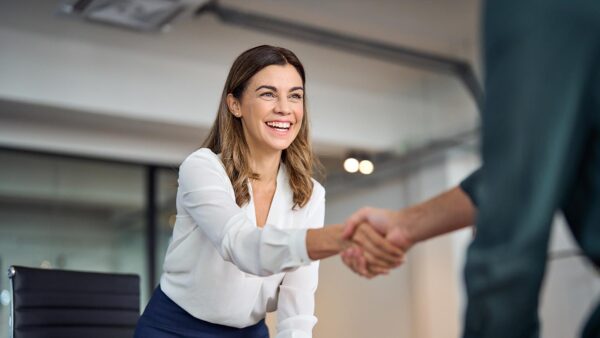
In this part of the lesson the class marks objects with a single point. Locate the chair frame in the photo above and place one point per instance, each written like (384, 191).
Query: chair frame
(11, 315)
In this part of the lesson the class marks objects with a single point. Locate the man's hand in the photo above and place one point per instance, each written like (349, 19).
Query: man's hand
(441, 214)
(374, 255)
(387, 223)
(378, 252)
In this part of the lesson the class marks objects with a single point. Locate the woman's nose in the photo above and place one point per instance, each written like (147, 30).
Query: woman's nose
(283, 107)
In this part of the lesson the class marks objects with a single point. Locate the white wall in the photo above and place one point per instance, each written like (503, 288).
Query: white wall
(571, 289)
(349, 306)
(416, 300)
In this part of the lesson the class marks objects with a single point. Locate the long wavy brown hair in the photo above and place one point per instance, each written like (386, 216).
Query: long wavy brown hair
(227, 136)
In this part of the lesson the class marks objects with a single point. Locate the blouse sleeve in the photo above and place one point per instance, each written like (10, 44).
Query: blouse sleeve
(296, 307)
(205, 195)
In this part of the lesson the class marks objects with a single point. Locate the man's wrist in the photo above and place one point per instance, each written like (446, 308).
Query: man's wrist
(410, 220)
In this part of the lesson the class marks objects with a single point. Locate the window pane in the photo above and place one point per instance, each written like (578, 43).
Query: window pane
(166, 191)
(71, 214)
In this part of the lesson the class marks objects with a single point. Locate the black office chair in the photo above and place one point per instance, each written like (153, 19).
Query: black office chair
(71, 304)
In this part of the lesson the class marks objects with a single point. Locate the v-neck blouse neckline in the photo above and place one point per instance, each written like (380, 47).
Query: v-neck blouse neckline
(280, 183)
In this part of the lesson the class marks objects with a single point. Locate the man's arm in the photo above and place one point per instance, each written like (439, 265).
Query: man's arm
(404, 228)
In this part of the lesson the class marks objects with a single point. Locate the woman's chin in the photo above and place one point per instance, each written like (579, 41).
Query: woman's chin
(280, 144)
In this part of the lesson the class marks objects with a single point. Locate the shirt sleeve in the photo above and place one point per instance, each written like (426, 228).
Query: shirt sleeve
(296, 305)
(470, 186)
(206, 195)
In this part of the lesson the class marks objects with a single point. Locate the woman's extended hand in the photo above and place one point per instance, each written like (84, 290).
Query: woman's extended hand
(380, 254)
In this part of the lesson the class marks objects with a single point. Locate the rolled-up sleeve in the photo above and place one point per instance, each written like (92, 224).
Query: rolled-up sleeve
(206, 195)
(296, 305)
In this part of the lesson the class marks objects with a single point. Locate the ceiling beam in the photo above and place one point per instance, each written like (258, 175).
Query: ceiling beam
(391, 53)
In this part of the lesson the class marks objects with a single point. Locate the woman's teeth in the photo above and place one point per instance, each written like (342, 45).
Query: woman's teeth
(279, 125)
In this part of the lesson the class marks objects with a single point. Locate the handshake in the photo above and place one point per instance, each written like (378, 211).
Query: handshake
(373, 241)
(376, 241)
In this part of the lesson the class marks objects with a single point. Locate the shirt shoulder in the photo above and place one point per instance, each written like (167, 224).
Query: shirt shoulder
(202, 155)
(203, 165)
(203, 158)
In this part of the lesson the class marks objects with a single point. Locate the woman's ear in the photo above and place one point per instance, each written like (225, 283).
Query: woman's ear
(234, 105)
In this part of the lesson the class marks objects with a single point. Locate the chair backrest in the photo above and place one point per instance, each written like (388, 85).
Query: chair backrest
(71, 304)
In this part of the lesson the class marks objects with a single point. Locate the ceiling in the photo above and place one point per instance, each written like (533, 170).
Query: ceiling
(60, 75)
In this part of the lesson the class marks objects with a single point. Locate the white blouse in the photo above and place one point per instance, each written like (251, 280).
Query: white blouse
(220, 267)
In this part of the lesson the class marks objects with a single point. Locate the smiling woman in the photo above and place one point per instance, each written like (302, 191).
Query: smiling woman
(263, 94)
(249, 224)
(272, 108)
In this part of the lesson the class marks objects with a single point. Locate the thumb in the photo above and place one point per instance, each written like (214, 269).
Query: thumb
(353, 222)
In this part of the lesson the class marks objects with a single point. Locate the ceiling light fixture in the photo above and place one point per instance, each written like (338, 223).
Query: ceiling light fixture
(366, 167)
(351, 165)
(140, 15)
(359, 162)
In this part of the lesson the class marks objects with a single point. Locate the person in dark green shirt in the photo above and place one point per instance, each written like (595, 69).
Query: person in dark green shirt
(541, 154)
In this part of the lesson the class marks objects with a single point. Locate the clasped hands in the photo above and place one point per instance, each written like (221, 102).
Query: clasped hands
(377, 241)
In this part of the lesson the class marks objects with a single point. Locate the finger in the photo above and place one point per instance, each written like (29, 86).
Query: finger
(373, 261)
(372, 254)
(384, 253)
(355, 265)
(362, 267)
(375, 270)
(349, 253)
(361, 263)
(350, 259)
(354, 221)
(382, 242)
(346, 260)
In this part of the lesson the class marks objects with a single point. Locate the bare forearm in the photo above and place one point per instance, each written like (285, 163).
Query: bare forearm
(325, 242)
(449, 211)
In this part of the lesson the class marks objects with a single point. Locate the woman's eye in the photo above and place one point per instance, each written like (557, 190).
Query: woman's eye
(267, 94)
(296, 96)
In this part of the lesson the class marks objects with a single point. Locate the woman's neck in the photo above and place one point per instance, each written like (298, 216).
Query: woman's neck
(266, 165)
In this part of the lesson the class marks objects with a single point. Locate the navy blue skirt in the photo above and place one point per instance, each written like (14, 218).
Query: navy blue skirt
(162, 318)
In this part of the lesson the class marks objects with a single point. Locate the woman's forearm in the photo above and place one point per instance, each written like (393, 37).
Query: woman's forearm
(325, 242)
(330, 240)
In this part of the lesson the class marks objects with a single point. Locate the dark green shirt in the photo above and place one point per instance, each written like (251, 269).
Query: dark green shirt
(540, 153)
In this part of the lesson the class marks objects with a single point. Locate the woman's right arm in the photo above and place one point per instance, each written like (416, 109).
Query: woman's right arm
(205, 192)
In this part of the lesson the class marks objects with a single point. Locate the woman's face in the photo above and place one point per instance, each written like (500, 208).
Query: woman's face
(271, 108)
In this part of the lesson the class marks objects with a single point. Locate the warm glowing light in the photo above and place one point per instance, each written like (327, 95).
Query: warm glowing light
(366, 167)
(351, 165)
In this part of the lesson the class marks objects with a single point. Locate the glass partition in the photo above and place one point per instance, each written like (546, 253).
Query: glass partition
(68, 213)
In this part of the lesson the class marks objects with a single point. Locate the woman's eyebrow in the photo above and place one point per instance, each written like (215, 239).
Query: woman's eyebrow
(275, 89)
(266, 87)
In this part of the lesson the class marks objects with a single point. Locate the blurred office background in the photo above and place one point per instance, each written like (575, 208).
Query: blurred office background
(94, 120)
